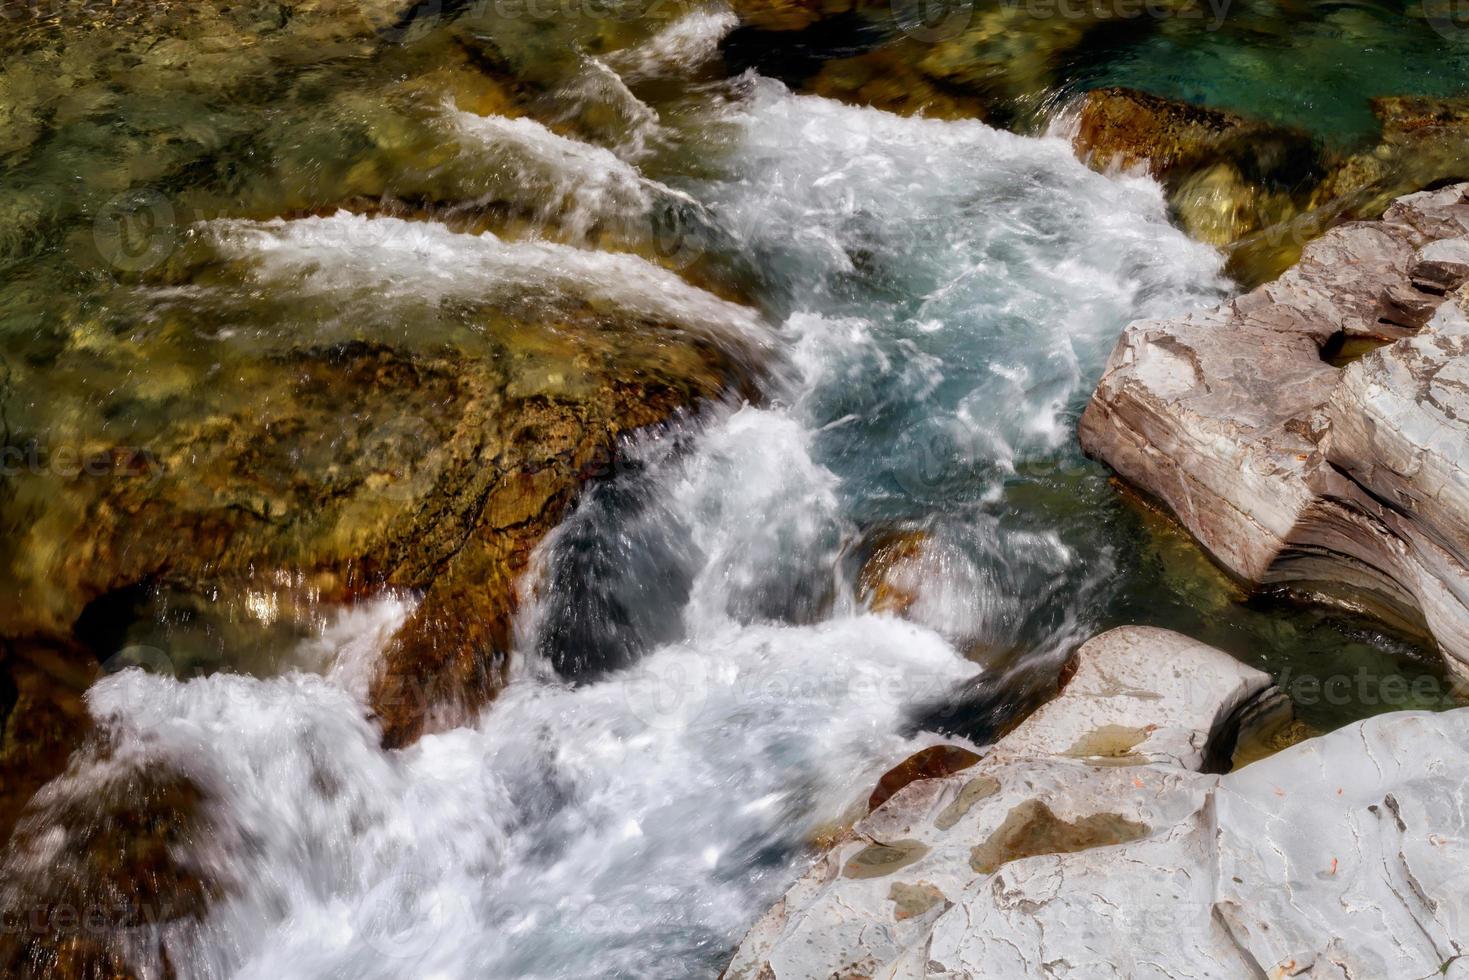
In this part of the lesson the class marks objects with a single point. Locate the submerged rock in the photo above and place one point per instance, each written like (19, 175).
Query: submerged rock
(1341, 482)
(428, 453)
(1110, 764)
(998, 62)
(1226, 176)
(1422, 141)
(1262, 191)
(95, 878)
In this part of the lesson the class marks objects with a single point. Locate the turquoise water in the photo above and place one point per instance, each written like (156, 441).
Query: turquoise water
(1307, 64)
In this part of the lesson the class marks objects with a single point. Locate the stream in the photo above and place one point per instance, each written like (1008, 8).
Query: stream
(705, 677)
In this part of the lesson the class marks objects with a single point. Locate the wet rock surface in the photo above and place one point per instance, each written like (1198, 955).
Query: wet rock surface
(1262, 191)
(1226, 176)
(43, 717)
(210, 415)
(344, 470)
(1344, 481)
(1034, 862)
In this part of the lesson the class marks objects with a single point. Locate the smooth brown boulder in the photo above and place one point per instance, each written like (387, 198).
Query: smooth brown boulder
(934, 762)
(431, 460)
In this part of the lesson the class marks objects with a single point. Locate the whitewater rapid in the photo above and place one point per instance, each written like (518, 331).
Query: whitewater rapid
(698, 690)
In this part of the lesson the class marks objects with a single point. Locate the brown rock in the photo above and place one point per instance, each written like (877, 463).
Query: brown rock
(1403, 305)
(931, 763)
(886, 581)
(1125, 128)
(1226, 176)
(1424, 143)
(43, 717)
(315, 474)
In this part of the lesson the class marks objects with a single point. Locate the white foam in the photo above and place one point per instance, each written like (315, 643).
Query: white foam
(575, 184)
(598, 86)
(597, 831)
(684, 44)
(380, 259)
(986, 246)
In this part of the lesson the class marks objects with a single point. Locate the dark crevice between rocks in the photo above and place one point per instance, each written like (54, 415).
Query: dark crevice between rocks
(1341, 350)
(1262, 727)
(990, 706)
(1268, 709)
(793, 57)
(104, 622)
(1392, 506)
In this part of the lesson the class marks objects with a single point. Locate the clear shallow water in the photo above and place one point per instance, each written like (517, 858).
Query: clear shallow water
(698, 688)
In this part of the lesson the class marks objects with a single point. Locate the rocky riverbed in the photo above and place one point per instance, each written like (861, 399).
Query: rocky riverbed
(489, 490)
(1311, 434)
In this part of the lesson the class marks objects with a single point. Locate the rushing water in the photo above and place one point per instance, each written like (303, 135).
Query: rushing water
(699, 687)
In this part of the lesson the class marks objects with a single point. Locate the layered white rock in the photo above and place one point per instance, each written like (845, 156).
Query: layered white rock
(1348, 483)
(1345, 856)
(1138, 694)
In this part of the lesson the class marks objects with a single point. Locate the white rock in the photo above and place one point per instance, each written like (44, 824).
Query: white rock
(1109, 759)
(1345, 856)
(1139, 694)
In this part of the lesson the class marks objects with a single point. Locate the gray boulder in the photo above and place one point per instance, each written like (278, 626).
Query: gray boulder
(1294, 465)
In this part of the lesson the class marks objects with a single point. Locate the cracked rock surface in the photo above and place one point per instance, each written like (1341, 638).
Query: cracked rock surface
(1292, 464)
(1343, 856)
